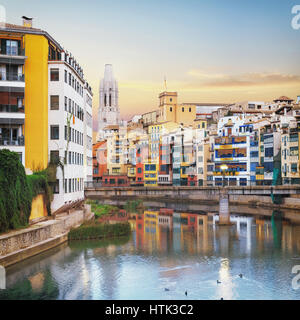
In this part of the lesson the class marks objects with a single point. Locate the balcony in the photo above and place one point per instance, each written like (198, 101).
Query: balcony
(12, 56)
(11, 142)
(13, 52)
(11, 108)
(11, 76)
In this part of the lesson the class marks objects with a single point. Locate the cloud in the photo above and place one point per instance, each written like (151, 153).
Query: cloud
(242, 81)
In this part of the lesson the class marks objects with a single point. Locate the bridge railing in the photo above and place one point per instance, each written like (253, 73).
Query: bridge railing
(207, 183)
(92, 184)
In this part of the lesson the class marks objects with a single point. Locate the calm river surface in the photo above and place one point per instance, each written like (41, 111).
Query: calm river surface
(172, 248)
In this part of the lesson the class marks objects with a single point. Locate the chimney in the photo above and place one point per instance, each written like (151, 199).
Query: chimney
(27, 22)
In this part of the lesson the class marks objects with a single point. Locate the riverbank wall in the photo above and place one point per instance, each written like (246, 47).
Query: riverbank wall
(19, 245)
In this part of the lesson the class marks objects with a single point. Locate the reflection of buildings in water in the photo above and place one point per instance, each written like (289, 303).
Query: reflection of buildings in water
(287, 238)
(140, 231)
(223, 236)
(72, 277)
(263, 234)
(165, 238)
(225, 289)
(296, 239)
(243, 229)
(37, 281)
(188, 229)
(165, 220)
(202, 233)
(176, 232)
(276, 222)
(132, 223)
(36, 264)
(151, 230)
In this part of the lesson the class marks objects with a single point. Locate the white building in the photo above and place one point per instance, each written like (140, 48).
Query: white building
(70, 129)
(109, 112)
(88, 133)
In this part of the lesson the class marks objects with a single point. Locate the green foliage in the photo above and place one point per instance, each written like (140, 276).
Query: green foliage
(18, 190)
(134, 206)
(15, 192)
(97, 231)
(23, 290)
(102, 209)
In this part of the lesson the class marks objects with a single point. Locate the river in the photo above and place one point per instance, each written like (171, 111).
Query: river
(174, 248)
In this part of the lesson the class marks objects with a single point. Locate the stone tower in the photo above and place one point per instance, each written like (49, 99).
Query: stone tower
(109, 112)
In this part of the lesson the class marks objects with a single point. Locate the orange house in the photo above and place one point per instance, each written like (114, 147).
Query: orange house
(99, 160)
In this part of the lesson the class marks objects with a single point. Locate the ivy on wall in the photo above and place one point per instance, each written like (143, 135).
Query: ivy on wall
(18, 190)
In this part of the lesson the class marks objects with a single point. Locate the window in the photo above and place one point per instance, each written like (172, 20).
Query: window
(66, 104)
(182, 109)
(294, 167)
(293, 151)
(56, 187)
(54, 74)
(54, 132)
(66, 185)
(66, 76)
(254, 154)
(54, 102)
(190, 109)
(171, 109)
(269, 152)
(293, 137)
(12, 47)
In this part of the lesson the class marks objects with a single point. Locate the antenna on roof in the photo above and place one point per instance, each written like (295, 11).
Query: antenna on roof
(27, 22)
(165, 83)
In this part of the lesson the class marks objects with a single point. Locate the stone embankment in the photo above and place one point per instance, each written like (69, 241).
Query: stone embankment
(18, 245)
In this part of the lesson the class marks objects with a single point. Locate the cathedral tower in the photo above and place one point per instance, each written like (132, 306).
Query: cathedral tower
(109, 112)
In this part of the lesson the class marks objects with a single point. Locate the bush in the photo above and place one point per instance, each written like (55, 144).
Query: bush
(98, 231)
(18, 190)
(15, 192)
(102, 209)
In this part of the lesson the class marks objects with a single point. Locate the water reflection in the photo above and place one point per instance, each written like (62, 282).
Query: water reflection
(174, 249)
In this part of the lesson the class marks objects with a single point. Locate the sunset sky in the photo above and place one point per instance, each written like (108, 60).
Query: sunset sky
(210, 51)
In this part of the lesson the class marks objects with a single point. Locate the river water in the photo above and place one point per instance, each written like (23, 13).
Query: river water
(173, 248)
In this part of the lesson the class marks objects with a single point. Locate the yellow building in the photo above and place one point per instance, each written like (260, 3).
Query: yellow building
(170, 110)
(151, 228)
(25, 55)
(150, 174)
(43, 101)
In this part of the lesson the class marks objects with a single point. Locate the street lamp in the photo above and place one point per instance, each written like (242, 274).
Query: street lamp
(223, 167)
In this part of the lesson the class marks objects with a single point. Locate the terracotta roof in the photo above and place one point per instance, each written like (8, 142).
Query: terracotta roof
(283, 98)
(23, 28)
(209, 104)
(9, 27)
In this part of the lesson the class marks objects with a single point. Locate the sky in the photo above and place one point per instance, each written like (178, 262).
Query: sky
(208, 50)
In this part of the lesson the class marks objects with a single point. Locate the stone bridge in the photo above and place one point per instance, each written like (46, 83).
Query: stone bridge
(197, 193)
(255, 195)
